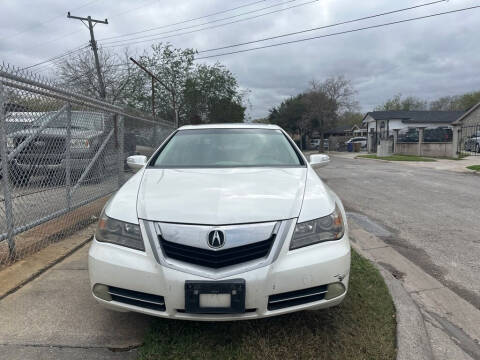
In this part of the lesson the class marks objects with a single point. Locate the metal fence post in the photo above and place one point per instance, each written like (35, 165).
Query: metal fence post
(68, 160)
(120, 123)
(7, 196)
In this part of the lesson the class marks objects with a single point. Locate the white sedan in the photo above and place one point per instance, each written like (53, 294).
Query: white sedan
(223, 222)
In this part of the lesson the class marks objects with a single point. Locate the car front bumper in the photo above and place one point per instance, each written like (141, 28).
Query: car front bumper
(56, 165)
(308, 267)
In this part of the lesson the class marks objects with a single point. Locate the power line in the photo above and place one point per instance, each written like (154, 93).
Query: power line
(69, 52)
(341, 32)
(323, 27)
(216, 26)
(56, 57)
(184, 21)
(46, 22)
(198, 25)
(132, 9)
(78, 31)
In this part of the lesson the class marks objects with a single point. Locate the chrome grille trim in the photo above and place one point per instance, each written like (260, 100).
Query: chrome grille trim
(297, 297)
(196, 235)
(116, 293)
(137, 298)
(281, 228)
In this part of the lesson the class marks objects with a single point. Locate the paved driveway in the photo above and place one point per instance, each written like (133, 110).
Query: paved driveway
(431, 216)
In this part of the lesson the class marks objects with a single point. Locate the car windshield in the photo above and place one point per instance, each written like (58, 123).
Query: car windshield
(227, 148)
(80, 120)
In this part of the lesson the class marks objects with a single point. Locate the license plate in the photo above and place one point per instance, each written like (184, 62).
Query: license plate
(215, 297)
(215, 300)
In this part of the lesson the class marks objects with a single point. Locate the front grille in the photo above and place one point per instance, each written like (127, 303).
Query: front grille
(217, 259)
(136, 298)
(43, 145)
(38, 159)
(297, 297)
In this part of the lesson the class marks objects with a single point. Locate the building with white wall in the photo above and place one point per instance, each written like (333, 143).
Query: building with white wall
(383, 126)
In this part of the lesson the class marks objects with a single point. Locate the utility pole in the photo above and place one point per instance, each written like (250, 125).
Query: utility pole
(93, 44)
(170, 90)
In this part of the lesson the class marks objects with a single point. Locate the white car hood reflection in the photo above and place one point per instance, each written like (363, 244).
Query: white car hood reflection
(221, 196)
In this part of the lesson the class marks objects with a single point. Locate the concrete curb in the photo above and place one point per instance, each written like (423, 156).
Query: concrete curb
(18, 274)
(412, 338)
(474, 172)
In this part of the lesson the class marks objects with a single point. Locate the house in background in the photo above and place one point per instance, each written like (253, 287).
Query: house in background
(413, 132)
(357, 131)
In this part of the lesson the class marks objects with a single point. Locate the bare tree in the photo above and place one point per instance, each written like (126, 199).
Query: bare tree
(340, 90)
(78, 72)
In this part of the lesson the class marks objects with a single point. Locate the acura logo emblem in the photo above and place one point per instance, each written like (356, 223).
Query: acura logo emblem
(216, 239)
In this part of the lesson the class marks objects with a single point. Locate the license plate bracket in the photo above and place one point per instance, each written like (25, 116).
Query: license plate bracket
(234, 287)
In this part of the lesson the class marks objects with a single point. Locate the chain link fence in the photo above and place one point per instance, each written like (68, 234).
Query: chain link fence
(61, 155)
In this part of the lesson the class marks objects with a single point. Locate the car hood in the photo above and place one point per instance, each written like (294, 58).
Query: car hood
(221, 196)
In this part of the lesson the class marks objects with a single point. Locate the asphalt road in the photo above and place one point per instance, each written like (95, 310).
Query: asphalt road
(430, 216)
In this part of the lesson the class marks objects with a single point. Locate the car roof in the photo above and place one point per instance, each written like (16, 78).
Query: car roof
(231, 126)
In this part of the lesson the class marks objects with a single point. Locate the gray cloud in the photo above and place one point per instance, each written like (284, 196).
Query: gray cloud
(428, 58)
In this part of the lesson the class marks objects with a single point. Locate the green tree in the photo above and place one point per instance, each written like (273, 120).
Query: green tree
(320, 108)
(399, 103)
(289, 114)
(466, 101)
(174, 68)
(190, 93)
(321, 112)
(212, 94)
(350, 118)
(456, 102)
(445, 103)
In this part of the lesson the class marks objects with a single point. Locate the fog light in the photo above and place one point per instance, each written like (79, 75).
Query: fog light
(334, 290)
(101, 291)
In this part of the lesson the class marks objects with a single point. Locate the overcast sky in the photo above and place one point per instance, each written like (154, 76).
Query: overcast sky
(428, 58)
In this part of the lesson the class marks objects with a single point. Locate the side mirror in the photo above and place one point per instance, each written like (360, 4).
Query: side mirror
(319, 160)
(136, 162)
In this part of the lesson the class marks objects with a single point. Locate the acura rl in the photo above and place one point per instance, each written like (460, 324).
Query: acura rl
(223, 222)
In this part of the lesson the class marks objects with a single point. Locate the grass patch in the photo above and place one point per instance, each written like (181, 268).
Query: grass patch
(474, 167)
(362, 327)
(398, 158)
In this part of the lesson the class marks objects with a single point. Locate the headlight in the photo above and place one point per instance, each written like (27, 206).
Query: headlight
(311, 232)
(79, 143)
(119, 232)
(10, 143)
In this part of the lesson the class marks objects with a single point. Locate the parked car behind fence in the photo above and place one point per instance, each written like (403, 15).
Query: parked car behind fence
(473, 143)
(61, 154)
